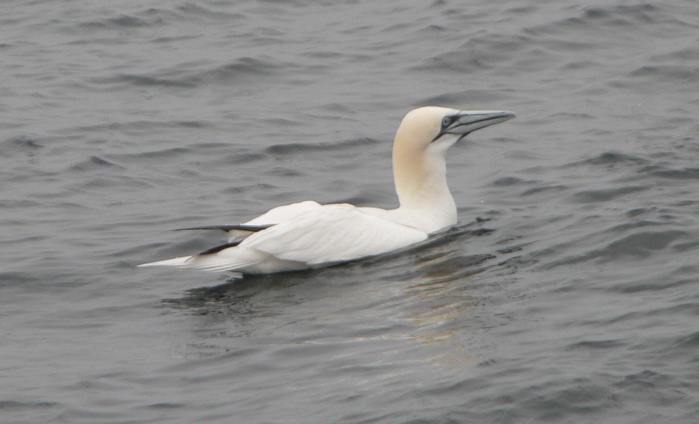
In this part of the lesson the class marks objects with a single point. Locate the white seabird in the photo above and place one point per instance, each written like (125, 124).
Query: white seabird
(310, 235)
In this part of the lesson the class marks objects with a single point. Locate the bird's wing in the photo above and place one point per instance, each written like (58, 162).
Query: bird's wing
(318, 235)
(284, 213)
(238, 232)
(330, 234)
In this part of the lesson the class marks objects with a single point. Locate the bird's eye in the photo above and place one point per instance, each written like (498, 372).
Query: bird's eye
(446, 121)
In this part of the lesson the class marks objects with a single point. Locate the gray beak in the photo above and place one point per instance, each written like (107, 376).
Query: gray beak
(468, 121)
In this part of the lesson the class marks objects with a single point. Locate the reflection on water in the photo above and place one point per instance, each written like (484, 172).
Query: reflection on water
(421, 294)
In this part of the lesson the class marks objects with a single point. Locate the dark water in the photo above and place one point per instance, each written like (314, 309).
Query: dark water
(569, 292)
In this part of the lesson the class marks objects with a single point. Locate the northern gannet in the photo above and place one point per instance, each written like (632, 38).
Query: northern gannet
(310, 235)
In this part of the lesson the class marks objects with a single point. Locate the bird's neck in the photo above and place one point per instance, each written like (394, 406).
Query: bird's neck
(421, 183)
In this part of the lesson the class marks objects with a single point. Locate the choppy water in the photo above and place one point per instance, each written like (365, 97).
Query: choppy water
(568, 293)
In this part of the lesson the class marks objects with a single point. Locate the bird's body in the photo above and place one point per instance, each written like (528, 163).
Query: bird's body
(309, 235)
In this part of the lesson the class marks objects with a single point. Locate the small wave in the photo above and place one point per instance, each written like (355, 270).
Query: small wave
(301, 148)
(545, 190)
(574, 33)
(611, 159)
(94, 162)
(136, 127)
(637, 245)
(284, 172)
(23, 142)
(610, 16)
(478, 53)
(683, 74)
(685, 55)
(148, 81)
(621, 15)
(186, 75)
(690, 341)
(15, 404)
(123, 21)
(157, 16)
(189, 10)
(465, 97)
(596, 344)
(22, 145)
(605, 195)
(19, 279)
(160, 154)
(652, 286)
(507, 181)
(241, 158)
(677, 174)
(246, 66)
(641, 244)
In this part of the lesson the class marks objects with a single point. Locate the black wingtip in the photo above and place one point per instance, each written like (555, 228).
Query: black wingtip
(218, 248)
(227, 228)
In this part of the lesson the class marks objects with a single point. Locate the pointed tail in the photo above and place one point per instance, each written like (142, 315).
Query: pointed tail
(168, 262)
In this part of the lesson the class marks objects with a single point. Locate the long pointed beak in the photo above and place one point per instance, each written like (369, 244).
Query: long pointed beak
(468, 121)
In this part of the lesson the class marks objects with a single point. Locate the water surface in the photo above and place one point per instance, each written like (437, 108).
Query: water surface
(567, 293)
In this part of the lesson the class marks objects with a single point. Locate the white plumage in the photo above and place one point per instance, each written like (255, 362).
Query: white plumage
(308, 234)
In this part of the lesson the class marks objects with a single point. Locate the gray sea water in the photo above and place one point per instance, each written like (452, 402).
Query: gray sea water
(568, 293)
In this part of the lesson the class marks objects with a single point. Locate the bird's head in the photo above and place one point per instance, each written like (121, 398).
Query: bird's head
(437, 128)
